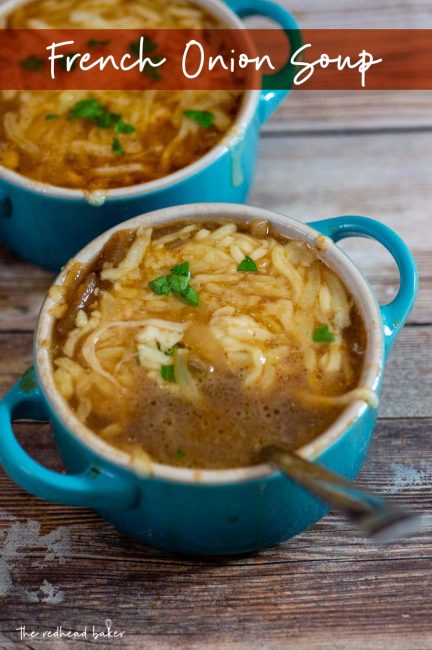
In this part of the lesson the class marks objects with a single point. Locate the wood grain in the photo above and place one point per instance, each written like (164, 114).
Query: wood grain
(367, 14)
(322, 154)
(327, 579)
(321, 111)
(407, 388)
(309, 178)
(363, 110)
(384, 176)
(315, 177)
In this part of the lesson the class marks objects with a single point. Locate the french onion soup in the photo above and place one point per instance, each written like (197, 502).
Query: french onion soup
(197, 344)
(107, 139)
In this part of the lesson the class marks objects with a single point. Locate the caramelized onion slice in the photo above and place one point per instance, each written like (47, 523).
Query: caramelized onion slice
(76, 274)
(259, 228)
(117, 246)
(199, 338)
(184, 378)
(81, 299)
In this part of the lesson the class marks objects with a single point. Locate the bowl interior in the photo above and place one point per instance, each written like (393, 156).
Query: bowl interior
(231, 139)
(328, 252)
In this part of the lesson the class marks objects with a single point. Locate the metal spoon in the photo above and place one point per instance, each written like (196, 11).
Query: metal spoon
(380, 520)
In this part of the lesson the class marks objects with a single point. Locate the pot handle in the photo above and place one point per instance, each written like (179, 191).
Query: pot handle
(95, 488)
(396, 312)
(275, 86)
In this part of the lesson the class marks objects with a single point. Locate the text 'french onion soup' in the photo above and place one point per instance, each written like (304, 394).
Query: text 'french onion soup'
(196, 344)
(105, 139)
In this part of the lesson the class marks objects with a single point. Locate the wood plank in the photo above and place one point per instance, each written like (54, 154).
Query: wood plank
(22, 289)
(364, 110)
(407, 385)
(15, 357)
(327, 588)
(399, 465)
(23, 286)
(386, 177)
(407, 388)
(367, 14)
(328, 176)
(309, 178)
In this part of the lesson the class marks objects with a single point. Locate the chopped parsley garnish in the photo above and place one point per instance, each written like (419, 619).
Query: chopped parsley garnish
(96, 113)
(32, 62)
(117, 148)
(190, 297)
(64, 62)
(181, 269)
(161, 286)
(167, 373)
(52, 116)
(178, 283)
(203, 118)
(94, 42)
(93, 111)
(322, 334)
(122, 127)
(180, 453)
(247, 265)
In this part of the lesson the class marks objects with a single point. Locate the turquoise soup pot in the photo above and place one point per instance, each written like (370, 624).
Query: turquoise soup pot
(207, 511)
(47, 224)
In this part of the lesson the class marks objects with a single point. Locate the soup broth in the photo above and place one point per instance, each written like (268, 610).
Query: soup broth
(197, 344)
(106, 139)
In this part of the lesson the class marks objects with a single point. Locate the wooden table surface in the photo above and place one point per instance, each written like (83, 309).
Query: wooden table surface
(323, 154)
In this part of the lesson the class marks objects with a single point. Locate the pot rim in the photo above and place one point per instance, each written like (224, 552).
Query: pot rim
(329, 252)
(230, 140)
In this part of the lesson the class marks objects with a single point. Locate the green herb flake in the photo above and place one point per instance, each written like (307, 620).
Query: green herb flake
(322, 334)
(170, 352)
(190, 297)
(203, 118)
(94, 42)
(52, 116)
(247, 265)
(93, 111)
(32, 62)
(167, 373)
(180, 453)
(117, 148)
(161, 286)
(148, 45)
(122, 127)
(179, 283)
(181, 269)
(88, 109)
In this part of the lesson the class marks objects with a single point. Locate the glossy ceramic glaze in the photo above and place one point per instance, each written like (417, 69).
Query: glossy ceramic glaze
(218, 511)
(47, 225)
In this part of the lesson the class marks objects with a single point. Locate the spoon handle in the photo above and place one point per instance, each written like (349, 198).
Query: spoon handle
(376, 517)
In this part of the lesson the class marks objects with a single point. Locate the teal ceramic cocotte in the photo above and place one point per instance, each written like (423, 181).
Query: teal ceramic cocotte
(218, 511)
(47, 225)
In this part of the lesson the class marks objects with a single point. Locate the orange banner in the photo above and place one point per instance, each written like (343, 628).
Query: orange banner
(352, 59)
